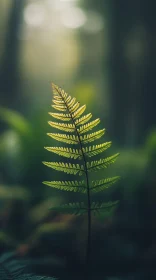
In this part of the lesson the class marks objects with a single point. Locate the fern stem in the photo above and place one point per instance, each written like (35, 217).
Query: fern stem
(88, 247)
(87, 258)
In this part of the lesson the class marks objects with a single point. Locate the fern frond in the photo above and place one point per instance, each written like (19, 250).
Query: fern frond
(77, 208)
(102, 163)
(88, 126)
(68, 139)
(63, 126)
(84, 119)
(66, 167)
(66, 152)
(100, 185)
(103, 206)
(78, 129)
(62, 117)
(72, 186)
(97, 149)
(92, 137)
(79, 112)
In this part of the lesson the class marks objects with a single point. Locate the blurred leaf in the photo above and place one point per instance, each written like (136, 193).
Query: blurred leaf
(13, 192)
(9, 142)
(15, 121)
(85, 91)
(41, 210)
(21, 150)
(150, 144)
(11, 269)
(132, 165)
(7, 240)
(53, 231)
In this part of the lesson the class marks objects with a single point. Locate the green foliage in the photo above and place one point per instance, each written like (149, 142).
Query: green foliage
(13, 270)
(16, 121)
(79, 208)
(77, 127)
(103, 184)
(68, 168)
(18, 144)
(102, 163)
(75, 186)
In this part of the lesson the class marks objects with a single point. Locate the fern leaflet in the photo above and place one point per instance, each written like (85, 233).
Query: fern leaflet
(79, 112)
(68, 168)
(66, 152)
(83, 120)
(77, 208)
(87, 138)
(63, 126)
(68, 139)
(102, 163)
(75, 186)
(97, 149)
(59, 107)
(103, 184)
(97, 207)
(62, 117)
(88, 126)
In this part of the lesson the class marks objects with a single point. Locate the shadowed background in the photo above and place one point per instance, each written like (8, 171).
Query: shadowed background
(104, 54)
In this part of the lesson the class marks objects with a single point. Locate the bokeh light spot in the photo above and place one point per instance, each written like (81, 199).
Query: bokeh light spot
(73, 17)
(34, 14)
(94, 22)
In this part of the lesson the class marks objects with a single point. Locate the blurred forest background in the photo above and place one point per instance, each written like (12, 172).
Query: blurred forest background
(104, 53)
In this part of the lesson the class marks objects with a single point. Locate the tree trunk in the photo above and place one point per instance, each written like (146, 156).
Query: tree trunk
(9, 72)
(133, 83)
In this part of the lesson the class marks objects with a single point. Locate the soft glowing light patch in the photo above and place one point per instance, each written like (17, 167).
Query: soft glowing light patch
(73, 18)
